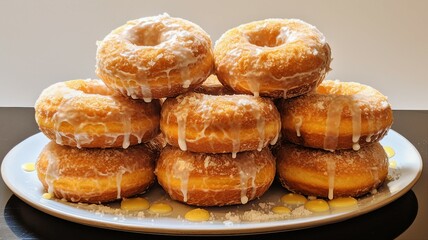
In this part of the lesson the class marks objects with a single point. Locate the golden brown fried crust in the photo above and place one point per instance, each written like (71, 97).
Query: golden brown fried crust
(273, 57)
(86, 113)
(359, 111)
(204, 179)
(96, 175)
(353, 173)
(219, 124)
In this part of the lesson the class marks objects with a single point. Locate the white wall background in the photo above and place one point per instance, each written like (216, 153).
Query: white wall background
(380, 43)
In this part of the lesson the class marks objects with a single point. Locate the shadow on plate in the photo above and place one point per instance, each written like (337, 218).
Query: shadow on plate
(385, 223)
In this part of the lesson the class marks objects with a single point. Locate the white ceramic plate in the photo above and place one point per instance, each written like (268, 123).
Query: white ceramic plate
(27, 187)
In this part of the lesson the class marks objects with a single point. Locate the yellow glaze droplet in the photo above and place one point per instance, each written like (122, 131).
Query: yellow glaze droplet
(134, 204)
(343, 202)
(293, 198)
(317, 205)
(392, 163)
(389, 151)
(28, 167)
(197, 215)
(281, 210)
(161, 208)
(47, 196)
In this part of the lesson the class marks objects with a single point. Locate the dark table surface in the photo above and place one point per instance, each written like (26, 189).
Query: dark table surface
(405, 218)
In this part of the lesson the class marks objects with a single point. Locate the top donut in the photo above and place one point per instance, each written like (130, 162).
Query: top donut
(273, 58)
(155, 57)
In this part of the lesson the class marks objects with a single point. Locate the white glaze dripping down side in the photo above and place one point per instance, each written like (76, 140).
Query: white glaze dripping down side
(181, 170)
(298, 124)
(248, 170)
(333, 120)
(331, 172)
(181, 121)
(52, 172)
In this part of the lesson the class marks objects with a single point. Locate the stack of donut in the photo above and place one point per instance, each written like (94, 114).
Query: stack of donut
(216, 113)
(219, 134)
(332, 135)
(95, 154)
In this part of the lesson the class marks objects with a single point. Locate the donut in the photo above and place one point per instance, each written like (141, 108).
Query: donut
(155, 57)
(343, 173)
(212, 86)
(338, 115)
(273, 57)
(86, 113)
(219, 124)
(204, 179)
(95, 175)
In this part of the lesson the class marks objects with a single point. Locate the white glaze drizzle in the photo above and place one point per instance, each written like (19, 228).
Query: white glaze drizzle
(248, 170)
(333, 120)
(375, 173)
(119, 182)
(181, 170)
(52, 172)
(181, 121)
(298, 124)
(331, 172)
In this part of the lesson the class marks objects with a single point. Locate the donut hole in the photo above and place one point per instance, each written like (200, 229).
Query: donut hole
(265, 38)
(148, 35)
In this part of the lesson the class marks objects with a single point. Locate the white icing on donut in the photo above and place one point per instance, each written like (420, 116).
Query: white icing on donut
(181, 170)
(248, 170)
(334, 116)
(60, 168)
(207, 108)
(298, 125)
(331, 172)
(68, 113)
(355, 103)
(170, 39)
(241, 51)
(52, 172)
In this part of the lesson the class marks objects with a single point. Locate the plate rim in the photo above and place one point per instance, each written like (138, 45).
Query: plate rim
(243, 229)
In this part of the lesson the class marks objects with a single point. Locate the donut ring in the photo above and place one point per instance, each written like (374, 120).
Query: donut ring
(274, 58)
(339, 115)
(343, 173)
(95, 175)
(155, 57)
(204, 179)
(219, 124)
(86, 113)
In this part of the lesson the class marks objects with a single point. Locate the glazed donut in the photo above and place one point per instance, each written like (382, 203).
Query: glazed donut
(219, 124)
(86, 113)
(204, 179)
(155, 57)
(95, 175)
(339, 115)
(274, 58)
(343, 173)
